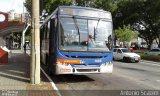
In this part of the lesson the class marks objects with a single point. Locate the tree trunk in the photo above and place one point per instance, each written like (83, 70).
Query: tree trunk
(149, 43)
(158, 42)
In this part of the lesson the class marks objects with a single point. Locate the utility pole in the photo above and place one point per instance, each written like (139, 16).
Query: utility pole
(35, 51)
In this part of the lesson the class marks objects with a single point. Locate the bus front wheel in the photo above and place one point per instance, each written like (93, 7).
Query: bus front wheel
(48, 69)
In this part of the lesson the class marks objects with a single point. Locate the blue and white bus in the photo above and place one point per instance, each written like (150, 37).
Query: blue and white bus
(65, 41)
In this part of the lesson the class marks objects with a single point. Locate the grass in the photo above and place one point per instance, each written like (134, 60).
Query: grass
(149, 57)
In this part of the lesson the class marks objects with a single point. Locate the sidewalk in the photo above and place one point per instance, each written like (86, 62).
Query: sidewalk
(15, 81)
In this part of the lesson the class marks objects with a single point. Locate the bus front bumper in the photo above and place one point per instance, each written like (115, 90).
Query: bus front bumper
(68, 69)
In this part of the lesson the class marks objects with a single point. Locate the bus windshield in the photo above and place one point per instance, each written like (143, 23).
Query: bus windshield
(77, 34)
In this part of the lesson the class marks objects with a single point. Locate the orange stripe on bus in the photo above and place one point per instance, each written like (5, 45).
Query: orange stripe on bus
(66, 61)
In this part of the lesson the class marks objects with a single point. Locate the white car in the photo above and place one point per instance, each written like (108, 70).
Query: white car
(155, 51)
(125, 55)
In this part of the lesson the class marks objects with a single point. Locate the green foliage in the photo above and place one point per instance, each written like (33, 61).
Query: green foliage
(142, 15)
(51, 5)
(17, 37)
(28, 5)
(125, 33)
(150, 57)
(108, 5)
(28, 38)
(87, 3)
(28, 34)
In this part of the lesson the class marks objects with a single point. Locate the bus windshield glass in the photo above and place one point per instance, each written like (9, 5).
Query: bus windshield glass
(77, 34)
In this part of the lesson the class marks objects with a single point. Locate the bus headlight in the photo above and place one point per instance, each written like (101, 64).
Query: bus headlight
(62, 68)
(106, 67)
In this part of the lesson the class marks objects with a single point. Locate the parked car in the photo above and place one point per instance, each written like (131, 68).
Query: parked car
(125, 55)
(155, 51)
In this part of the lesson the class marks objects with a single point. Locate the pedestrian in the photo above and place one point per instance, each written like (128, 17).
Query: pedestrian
(91, 41)
(24, 47)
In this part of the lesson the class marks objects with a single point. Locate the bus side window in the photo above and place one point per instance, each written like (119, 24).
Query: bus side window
(48, 30)
(42, 33)
(42, 36)
(53, 33)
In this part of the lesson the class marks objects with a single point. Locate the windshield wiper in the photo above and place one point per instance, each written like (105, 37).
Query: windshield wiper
(95, 28)
(75, 21)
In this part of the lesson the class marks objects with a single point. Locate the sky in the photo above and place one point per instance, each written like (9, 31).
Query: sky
(7, 5)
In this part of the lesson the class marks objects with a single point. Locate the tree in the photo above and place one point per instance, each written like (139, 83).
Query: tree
(28, 5)
(142, 15)
(108, 5)
(49, 5)
(17, 38)
(125, 34)
(28, 34)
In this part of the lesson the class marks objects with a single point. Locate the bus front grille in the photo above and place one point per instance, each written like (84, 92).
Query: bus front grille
(87, 70)
(86, 56)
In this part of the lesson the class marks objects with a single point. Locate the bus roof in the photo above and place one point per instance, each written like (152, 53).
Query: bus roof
(81, 7)
(84, 12)
(100, 14)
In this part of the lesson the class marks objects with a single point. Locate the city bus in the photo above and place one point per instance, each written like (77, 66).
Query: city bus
(66, 46)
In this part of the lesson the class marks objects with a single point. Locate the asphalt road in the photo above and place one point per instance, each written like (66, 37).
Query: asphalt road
(126, 76)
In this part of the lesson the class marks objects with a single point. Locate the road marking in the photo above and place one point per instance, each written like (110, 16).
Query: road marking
(158, 80)
(19, 77)
(149, 63)
(52, 83)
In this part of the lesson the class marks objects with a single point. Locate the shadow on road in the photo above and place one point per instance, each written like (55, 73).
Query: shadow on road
(134, 69)
(16, 69)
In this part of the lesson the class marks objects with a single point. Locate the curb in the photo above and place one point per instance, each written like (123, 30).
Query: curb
(52, 83)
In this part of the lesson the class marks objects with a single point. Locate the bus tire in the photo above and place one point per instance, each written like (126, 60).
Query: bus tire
(46, 60)
(48, 70)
